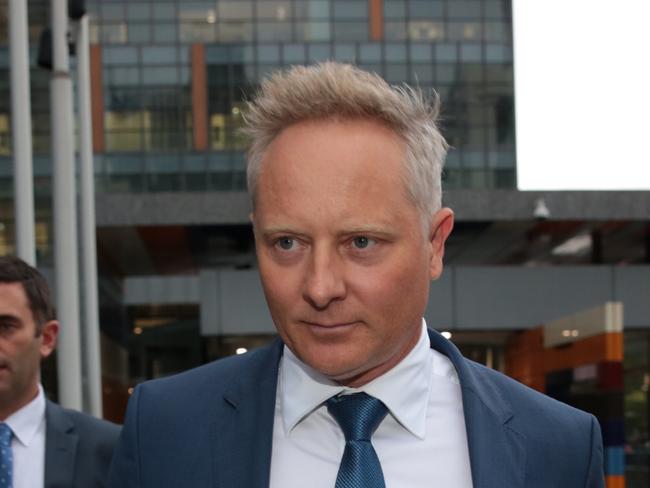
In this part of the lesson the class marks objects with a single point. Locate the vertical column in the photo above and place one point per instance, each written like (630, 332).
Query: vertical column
(91, 349)
(376, 18)
(65, 213)
(199, 98)
(21, 132)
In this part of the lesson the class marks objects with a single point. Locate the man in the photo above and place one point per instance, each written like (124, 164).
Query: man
(46, 446)
(344, 175)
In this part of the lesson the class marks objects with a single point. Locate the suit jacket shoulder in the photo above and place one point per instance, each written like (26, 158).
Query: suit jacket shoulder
(520, 437)
(210, 426)
(78, 448)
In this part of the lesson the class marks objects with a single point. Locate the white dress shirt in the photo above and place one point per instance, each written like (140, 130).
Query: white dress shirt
(28, 443)
(422, 442)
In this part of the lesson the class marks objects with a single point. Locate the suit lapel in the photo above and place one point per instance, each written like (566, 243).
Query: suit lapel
(496, 451)
(60, 447)
(243, 427)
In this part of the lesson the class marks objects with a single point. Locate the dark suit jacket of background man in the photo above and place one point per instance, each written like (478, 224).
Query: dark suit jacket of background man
(78, 448)
(213, 427)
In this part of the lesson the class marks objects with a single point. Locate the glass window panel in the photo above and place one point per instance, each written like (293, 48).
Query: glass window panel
(184, 54)
(122, 121)
(473, 157)
(470, 52)
(275, 10)
(122, 164)
(394, 9)
(234, 10)
(372, 68)
(350, 9)
(194, 163)
(471, 73)
(464, 31)
(498, 32)
(497, 53)
(446, 52)
(445, 73)
(164, 11)
(426, 30)
(274, 31)
(268, 53)
(312, 9)
(345, 53)
(114, 33)
(351, 31)
(184, 76)
(158, 55)
(163, 163)
(217, 55)
(425, 9)
(139, 33)
(138, 11)
(112, 12)
(453, 158)
(199, 12)
(395, 31)
(422, 73)
(242, 54)
(395, 52)
(370, 52)
(313, 31)
(164, 33)
(294, 53)
(197, 32)
(500, 74)
(396, 72)
(235, 32)
(421, 52)
(319, 52)
(497, 9)
(123, 141)
(122, 76)
(160, 75)
(459, 9)
(266, 70)
(119, 55)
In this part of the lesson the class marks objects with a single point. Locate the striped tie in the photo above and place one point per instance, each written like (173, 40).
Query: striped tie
(358, 415)
(6, 456)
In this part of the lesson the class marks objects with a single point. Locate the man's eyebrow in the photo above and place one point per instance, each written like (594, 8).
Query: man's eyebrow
(267, 231)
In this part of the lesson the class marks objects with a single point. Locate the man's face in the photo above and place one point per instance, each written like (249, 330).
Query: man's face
(344, 259)
(21, 349)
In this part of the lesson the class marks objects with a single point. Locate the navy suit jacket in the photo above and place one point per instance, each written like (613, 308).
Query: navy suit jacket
(78, 448)
(212, 427)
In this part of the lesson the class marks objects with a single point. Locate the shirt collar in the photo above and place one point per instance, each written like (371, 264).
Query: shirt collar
(404, 389)
(25, 422)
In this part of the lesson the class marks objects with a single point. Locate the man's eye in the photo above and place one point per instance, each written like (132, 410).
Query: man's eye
(362, 242)
(285, 243)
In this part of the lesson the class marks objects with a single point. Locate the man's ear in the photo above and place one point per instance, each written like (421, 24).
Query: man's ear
(441, 226)
(49, 334)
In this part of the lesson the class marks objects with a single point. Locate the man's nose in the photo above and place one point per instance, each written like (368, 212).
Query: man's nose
(324, 282)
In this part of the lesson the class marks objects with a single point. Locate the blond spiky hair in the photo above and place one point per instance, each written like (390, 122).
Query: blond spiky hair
(334, 90)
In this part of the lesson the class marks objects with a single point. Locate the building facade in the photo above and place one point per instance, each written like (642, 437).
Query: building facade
(178, 283)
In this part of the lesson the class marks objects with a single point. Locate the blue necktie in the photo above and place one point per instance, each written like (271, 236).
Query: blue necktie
(358, 415)
(6, 456)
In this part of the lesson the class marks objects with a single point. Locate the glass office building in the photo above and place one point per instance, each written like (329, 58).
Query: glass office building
(175, 76)
(169, 84)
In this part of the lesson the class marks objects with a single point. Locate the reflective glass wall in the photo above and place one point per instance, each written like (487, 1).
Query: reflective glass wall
(462, 49)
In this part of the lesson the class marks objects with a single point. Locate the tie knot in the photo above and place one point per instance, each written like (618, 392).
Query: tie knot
(358, 415)
(5, 435)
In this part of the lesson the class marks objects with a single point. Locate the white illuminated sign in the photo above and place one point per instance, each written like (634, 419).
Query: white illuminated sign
(582, 94)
